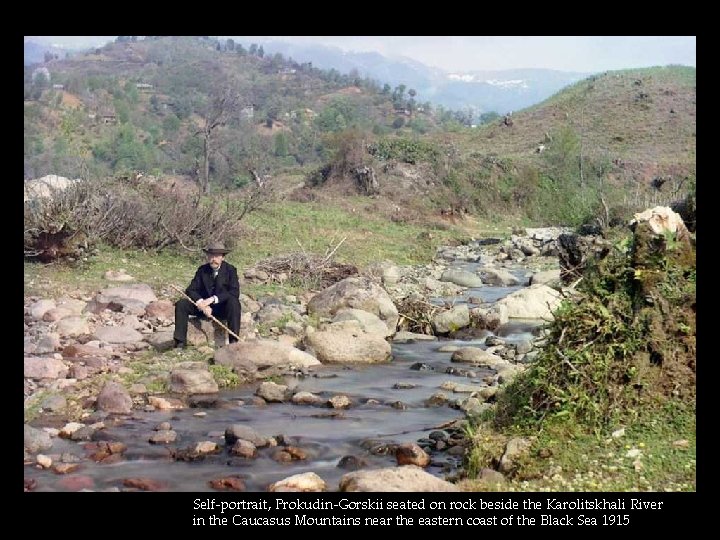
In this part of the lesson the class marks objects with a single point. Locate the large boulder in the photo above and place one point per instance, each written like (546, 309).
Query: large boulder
(358, 293)
(346, 342)
(263, 357)
(534, 302)
(661, 220)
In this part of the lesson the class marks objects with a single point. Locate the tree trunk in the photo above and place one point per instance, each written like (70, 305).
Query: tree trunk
(582, 132)
(367, 180)
(206, 164)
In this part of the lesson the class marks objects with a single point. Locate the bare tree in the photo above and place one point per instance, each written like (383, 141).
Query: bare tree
(221, 105)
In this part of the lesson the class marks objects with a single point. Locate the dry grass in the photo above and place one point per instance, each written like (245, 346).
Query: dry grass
(644, 118)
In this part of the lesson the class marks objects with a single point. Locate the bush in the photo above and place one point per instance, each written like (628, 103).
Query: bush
(403, 149)
(131, 214)
(626, 342)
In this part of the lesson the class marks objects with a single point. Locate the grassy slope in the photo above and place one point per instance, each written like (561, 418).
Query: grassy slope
(613, 117)
(278, 229)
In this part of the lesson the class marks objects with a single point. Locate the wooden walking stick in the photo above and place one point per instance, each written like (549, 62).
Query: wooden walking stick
(233, 334)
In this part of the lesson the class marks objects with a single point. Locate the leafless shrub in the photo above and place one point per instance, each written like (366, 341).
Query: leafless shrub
(416, 315)
(309, 270)
(133, 215)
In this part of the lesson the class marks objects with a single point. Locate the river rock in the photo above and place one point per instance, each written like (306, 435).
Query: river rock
(118, 334)
(534, 302)
(369, 322)
(36, 440)
(546, 277)
(308, 481)
(114, 398)
(499, 277)
(264, 355)
(244, 449)
(476, 356)
(451, 320)
(405, 337)
(405, 478)
(411, 454)
(355, 292)
(44, 368)
(228, 483)
(246, 433)
(163, 436)
(192, 381)
(461, 277)
(124, 295)
(306, 398)
(339, 343)
(272, 392)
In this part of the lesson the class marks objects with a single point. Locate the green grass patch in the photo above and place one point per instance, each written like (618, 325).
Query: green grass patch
(153, 369)
(224, 376)
(319, 228)
(655, 452)
(156, 269)
(32, 405)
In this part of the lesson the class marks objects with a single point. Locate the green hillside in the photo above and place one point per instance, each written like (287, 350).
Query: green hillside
(193, 108)
(139, 105)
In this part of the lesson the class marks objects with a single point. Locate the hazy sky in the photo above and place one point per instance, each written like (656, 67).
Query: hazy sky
(464, 53)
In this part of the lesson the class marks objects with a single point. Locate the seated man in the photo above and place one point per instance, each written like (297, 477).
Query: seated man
(215, 290)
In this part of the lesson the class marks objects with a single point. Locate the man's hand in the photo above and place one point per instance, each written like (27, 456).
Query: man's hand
(204, 305)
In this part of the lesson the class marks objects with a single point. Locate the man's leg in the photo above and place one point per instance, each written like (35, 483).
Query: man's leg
(230, 310)
(183, 308)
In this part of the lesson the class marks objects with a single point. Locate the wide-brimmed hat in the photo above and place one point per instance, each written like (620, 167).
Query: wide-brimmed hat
(216, 248)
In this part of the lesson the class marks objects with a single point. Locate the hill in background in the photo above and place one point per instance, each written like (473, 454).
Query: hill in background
(618, 138)
(480, 91)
